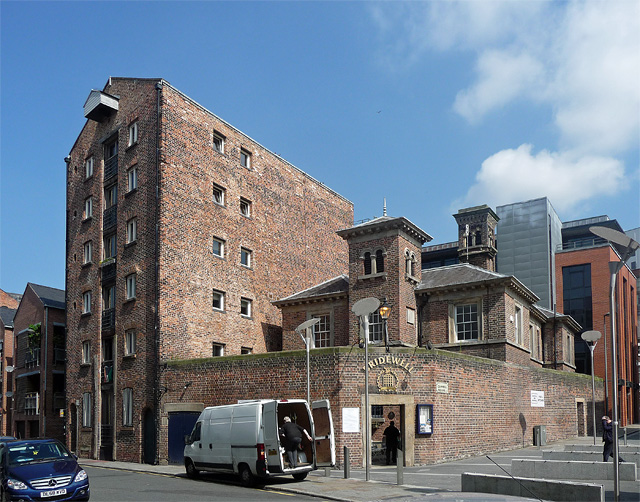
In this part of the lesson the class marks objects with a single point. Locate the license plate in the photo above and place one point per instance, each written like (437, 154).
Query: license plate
(53, 493)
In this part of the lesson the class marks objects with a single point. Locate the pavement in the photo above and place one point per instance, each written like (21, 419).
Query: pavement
(435, 482)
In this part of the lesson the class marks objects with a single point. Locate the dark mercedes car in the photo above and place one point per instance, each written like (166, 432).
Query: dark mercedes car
(40, 469)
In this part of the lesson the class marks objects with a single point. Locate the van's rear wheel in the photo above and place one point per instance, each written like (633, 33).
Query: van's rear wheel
(192, 472)
(299, 476)
(246, 477)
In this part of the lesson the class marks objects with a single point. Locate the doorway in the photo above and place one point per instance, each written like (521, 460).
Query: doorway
(581, 418)
(148, 437)
(387, 408)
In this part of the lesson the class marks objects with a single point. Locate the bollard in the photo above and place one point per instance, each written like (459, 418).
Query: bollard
(327, 472)
(347, 467)
(400, 466)
(625, 436)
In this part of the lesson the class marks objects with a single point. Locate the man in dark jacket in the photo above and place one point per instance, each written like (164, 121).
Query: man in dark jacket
(392, 434)
(292, 439)
(607, 437)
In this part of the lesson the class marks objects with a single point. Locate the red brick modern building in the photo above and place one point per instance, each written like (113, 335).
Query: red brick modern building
(8, 306)
(181, 231)
(39, 364)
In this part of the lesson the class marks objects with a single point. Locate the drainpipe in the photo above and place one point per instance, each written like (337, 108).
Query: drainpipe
(67, 161)
(156, 362)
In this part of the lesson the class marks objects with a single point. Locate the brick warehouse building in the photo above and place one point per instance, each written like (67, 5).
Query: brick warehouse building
(180, 232)
(479, 389)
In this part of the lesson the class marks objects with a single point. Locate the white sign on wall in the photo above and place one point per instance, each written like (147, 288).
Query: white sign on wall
(350, 419)
(442, 387)
(537, 399)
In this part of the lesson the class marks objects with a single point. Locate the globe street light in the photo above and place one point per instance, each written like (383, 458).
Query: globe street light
(629, 247)
(592, 337)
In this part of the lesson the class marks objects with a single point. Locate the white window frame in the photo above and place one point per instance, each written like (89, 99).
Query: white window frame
(132, 230)
(217, 349)
(127, 407)
(517, 325)
(88, 208)
(86, 302)
(376, 327)
(131, 281)
(133, 133)
(322, 332)
(245, 158)
(478, 320)
(132, 179)
(86, 409)
(130, 340)
(221, 245)
(246, 305)
(87, 257)
(218, 194)
(248, 262)
(88, 168)
(245, 207)
(246, 350)
(220, 296)
(86, 352)
(219, 141)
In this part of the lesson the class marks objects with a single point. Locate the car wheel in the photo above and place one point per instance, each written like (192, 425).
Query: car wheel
(299, 476)
(246, 477)
(192, 472)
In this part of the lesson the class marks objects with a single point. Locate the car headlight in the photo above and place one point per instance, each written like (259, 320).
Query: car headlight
(81, 476)
(14, 484)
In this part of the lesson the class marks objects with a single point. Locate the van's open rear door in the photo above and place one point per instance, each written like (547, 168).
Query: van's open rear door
(270, 431)
(323, 434)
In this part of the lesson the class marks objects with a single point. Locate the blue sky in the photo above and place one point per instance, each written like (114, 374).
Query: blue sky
(434, 105)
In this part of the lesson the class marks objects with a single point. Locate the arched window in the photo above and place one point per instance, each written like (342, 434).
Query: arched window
(478, 238)
(379, 261)
(367, 263)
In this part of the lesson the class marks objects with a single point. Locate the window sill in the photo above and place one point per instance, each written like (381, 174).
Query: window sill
(219, 204)
(244, 316)
(130, 244)
(87, 219)
(219, 311)
(131, 146)
(87, 265)
(247, 216)
(412, 278)
(107, 261)
(85, 365)
(85, 314)
(88, 178)
(130, 356)
(220, 257)
(129, 300)
(130, 192)
(372, 276)
(248, 267)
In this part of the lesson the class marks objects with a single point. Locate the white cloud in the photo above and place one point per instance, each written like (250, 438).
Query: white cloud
(567, 179)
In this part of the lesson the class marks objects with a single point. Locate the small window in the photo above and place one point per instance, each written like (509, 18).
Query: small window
(518, 326)
(109, 249)
(127, 407)
(88, 208)
(245, 307)
(86, 352)
(133, 133)
(218, 349)
(245, 158)
(86, 409)
(218, 247)
(132, 179)
(377, 411)
(467, 322)
(218, 300)
(130, 342)
(322, 331)
(131, 286)
(88, 168)
(245, 207)
(132, 230)
(88, 253)
(86, 302)
(245, 257)
(218, 194)
(110, 196)
(218, 142)
(246, 350)
(411, 316)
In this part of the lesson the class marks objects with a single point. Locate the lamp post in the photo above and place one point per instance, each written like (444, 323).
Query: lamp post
(363, 308)
(592, 337)
(606, 366)
(306, 338)
(629, 245)
(385, 310)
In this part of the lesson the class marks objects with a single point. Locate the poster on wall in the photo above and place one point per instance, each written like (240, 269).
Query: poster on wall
(424, 419)
(350, 419)
(537, 399)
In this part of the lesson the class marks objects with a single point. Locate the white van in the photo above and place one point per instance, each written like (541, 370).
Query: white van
(244, 438)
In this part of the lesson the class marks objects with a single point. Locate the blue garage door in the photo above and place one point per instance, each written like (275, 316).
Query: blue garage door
(180, 424)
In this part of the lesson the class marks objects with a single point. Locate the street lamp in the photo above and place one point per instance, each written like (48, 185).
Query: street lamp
(385, 310)
(606, 366)
(306, 338)
(363, 308)
(592, 337)
(630, 246)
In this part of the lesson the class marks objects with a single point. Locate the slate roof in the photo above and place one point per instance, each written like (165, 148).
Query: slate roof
(336, 286)
(7, 315)
(382, 222)
(50, 297)
(464, 275)
(548, 315)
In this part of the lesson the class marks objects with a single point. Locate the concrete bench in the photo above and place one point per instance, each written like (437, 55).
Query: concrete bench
(588, 456)
(600, 447)
(543, 489)
(569, 469)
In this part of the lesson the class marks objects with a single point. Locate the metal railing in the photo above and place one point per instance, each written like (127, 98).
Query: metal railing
(110, 217)
(31, 403)
(32, 358)
(108, 319)
(110, 167)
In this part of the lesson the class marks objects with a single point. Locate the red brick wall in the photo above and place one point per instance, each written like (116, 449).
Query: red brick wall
(7, 300)
(484, 410)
